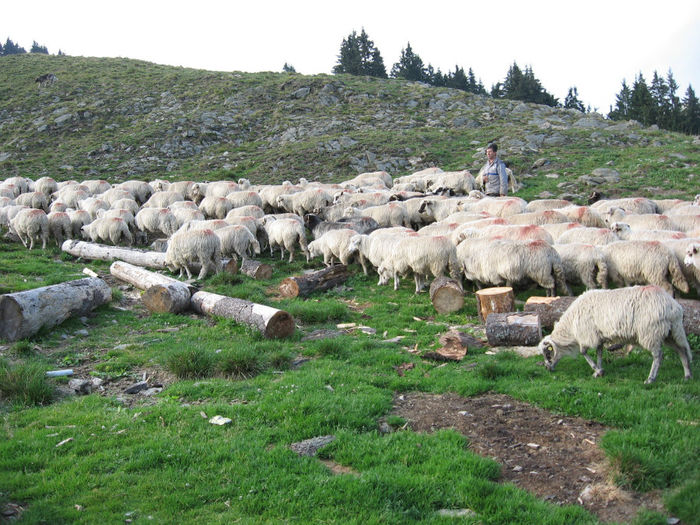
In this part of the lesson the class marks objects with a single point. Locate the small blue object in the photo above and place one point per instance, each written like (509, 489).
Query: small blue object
(57, 373)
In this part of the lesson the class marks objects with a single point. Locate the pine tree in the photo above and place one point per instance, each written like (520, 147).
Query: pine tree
(622, 103)
(519, 85)
(10, 48)
(36, 48)
(674, 103)
(659, 93)
(642, 106)
(358, 56)
(410, 66)
(288, 68)
(691, 112)
(458, 79)
(572, 101)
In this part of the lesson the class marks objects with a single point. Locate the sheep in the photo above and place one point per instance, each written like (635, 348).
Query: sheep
(238, 240)
(187, 188)
(112, 195)
(691, 255)
(376, 246)
(58, 206)
(112, 229)
(183, 215)
(584, 215)
(538, 217)
(250, 210)
(374, 178)
(514, 232)
(362, 199)
(497, 206)
(18, 184)
(644, 262)
(78, 219)
(46, 185)
(418, 180)
(546, 204)
(34, 199)
(588, 235)
(7, 192)
(125, 215)
(303, 202)
(126, 204)
(160, 184)
(220, 188)
(625, 232)
(501, 261)
(386, 215)
(95, 187)
(30, 225)
(556, 230)
(163, 199)
(92, 205)
(141, 190)
(71, 196)
(643, 315)
(255, 226)
(211, 224)
(583, 263)
(7, 201)
(463, 217)
(630, 205)
(665, 205)
(7, 213)
(60, 227)
(644, 221)
(155, 221)
(269, 194)
(438, 210)
(451, 183)
(215, 207)
(185, 248)
(685, 222)
(286, 234)
(422, 256)
(318, 227)
(680, 248)
(244, 198)
(440, 228)
(332, 245)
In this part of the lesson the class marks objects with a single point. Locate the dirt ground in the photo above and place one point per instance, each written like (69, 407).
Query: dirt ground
(555, 458)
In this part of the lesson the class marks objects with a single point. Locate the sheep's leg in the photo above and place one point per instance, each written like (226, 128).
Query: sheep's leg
(419, 284)
(597, 371)
(658, 357)
(599, 358)
(687, 374)
(396, 280)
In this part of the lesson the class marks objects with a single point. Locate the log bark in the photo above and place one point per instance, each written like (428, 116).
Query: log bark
(23, 314)
(272, 323)
(171, 298)
(513, 329)
(549, 309)
(446, 295)
(304, 285)
(256, 269)
(137, 276)
(495, 300)
(691, 315)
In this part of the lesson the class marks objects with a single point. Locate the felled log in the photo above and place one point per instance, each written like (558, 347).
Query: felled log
(691, 315)
(304, 285)
(446, 295)
(256, 269)
(171, 298)
(549, 309)
(513, 329)
(494, 300)
(272, 323)
(23, 314)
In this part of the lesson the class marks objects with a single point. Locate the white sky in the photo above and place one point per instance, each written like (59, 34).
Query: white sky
(591, 44)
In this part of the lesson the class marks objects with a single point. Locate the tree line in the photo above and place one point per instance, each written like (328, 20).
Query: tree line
(10, 48)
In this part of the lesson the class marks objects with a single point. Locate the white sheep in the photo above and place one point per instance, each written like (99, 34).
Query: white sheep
(691, 255)
(33, 199)
(583, 263)
(556, 230)
(92, 205)
(126, 204)
(220, 188)
(629, 204)
(244, 198)
(451, 182)
(373, 178)
(46, 185)
(123, 214)
(215, 207)
(496, 206)
(255, 226)
(588, 235)
(418, 180)
(112, 195)
(111, 229)
(361, 199)
(376, 247)
(643, 315)
(207, 224)
(625, 232)
(78, 219)
(638, 221)
(71, 196)
(440, 209)
(141, 190)
(686, 222)
(17, 184)
(269, 194)
(7, 213)
(584, 215)
(680, 248)
(546, 204)
(514, 232)
(186, 248)
(237, 240)
(538, 217)
(303, 202)
(7, 201)
(184, 215)
(95, 187)
(249, 211)
(287, 234)
(158, 221)
(386, 215)
(333, 245)
(666, 205)
(644, 262)
(422, 256)
(163, 199)
(187, 188)
(30, 225)
(501, 261)
(60, 227)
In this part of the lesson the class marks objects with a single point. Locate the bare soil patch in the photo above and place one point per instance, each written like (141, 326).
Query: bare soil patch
(554, 457)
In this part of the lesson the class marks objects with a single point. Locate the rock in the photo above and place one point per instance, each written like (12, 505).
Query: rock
(456, 513)
(586, 495)
(607, 175)
(552, 175)
(590, 123)
(150, 392)
(220, 420)
(63, 119)
(321, 334)
(81, 386)
(302, 92)
(82, 333)
(539, 163)
(309, 447)
(135, 388)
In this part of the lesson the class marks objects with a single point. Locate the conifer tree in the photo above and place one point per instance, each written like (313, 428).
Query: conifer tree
(36, 48)
(519, 85)
(458, 79)
(622, 103)
(691, 112)
(358, 56)
(10, 48)
(410, 66)
(674, 103)
(642, 106)
(572, 101)
(659, 93)
(288, 68)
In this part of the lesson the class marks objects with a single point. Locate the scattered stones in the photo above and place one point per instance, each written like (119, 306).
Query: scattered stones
(81, 386)
(309, 447)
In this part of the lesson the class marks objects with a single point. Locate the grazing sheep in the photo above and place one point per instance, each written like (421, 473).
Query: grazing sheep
(126, 204)
(221, 188)
(255, 226)
(686, 222)
(361, 199)
(71, 196)
(95, 187)
(60, 227)
(237, 240)
(538, 217)
(7, 213)
(441, 228)
(450, 183)
(158, 221)
(584, 215)
(111, 229)
(501, 261)
(439, 209)
(7, 201)
(386, 215)
(303, 202)
(513, 232)
(377, 246)
(287, 234)
(546, 204)
(31, 224)
(186, 187)
(46, 185)
(583, 263)
(665, 205)
(239, 199)
(624, 232)
(184, 215)
(497, 206)
(644, 262)
(125, 215)
(210, 224)
(556, 230)
(691, 255)
(251, 210)
(644, 221)
(318, 226)
(78, 219)
(215, 207)
(186, 248)
(269, 194)
(141, 190)
(17, 184)
(422, 256)
(680, 248)
(374, 178)
(333, 244)
(7, 192)
(163, 199)
(643, 315)
(630, 205)
(588, 235)
(112, 195)
(92, 205)
(418, 179)
(34, 199)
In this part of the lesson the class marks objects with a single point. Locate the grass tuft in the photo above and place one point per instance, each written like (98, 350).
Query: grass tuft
(25, 384)
(191, 362)
(243, 362)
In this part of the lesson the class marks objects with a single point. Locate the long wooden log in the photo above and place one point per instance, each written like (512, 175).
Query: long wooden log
(271, 322)
(256, 269)
(23, 314)
(446, 295)
(494, 300)
(137, 276)
(162, 293)
(549, 309)
(513, 329)
(303, 285)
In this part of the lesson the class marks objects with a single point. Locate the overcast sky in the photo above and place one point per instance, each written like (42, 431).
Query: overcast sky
(590, 44)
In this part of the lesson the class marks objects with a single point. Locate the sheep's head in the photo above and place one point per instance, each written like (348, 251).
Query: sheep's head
(550, 353)
(620, 228)
(691, 255)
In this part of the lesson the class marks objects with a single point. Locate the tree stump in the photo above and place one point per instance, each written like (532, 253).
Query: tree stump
(513, 329)
(171, 298)
(446, 295)
(494, 300)
(549, 309)
(23, 314)
(256, 269)
(272, 323)
(304, 285)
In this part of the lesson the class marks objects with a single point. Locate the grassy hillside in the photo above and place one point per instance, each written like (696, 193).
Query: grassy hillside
(121, 118)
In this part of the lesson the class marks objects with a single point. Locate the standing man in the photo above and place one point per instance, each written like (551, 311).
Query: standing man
(495, 177)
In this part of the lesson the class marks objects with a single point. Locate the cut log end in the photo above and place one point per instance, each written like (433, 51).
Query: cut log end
(11, 318)
(280, 325)
(289, 288)
(256, 269)
(446, 295)
(495, 300)
(513, 329)
(170, 298)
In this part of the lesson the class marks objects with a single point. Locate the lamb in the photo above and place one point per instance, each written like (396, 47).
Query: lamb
(318, 227)
(303, 202)
(386, 215)
(30, 225)
(78, 219)
(588, 235)
(287, 234)
(215, 207)
(643, 315)
(33, 199)
(188, 247)
(163, 199)
(377, 246)
(112, 229)
(332, 245)
(583, 263)
(644, 262)
(141, 190)
(244, 198)
(692, 258)
(422, 256)
(624, 232)
(644, 221)
(500, 261)
(546, 204)
(155, 221)
(60, 227)
(46, 185)
(237, 240)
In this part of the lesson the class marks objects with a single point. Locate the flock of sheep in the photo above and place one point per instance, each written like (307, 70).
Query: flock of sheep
(426, 224)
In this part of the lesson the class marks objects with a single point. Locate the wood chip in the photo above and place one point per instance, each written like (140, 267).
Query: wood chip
(64, 442)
